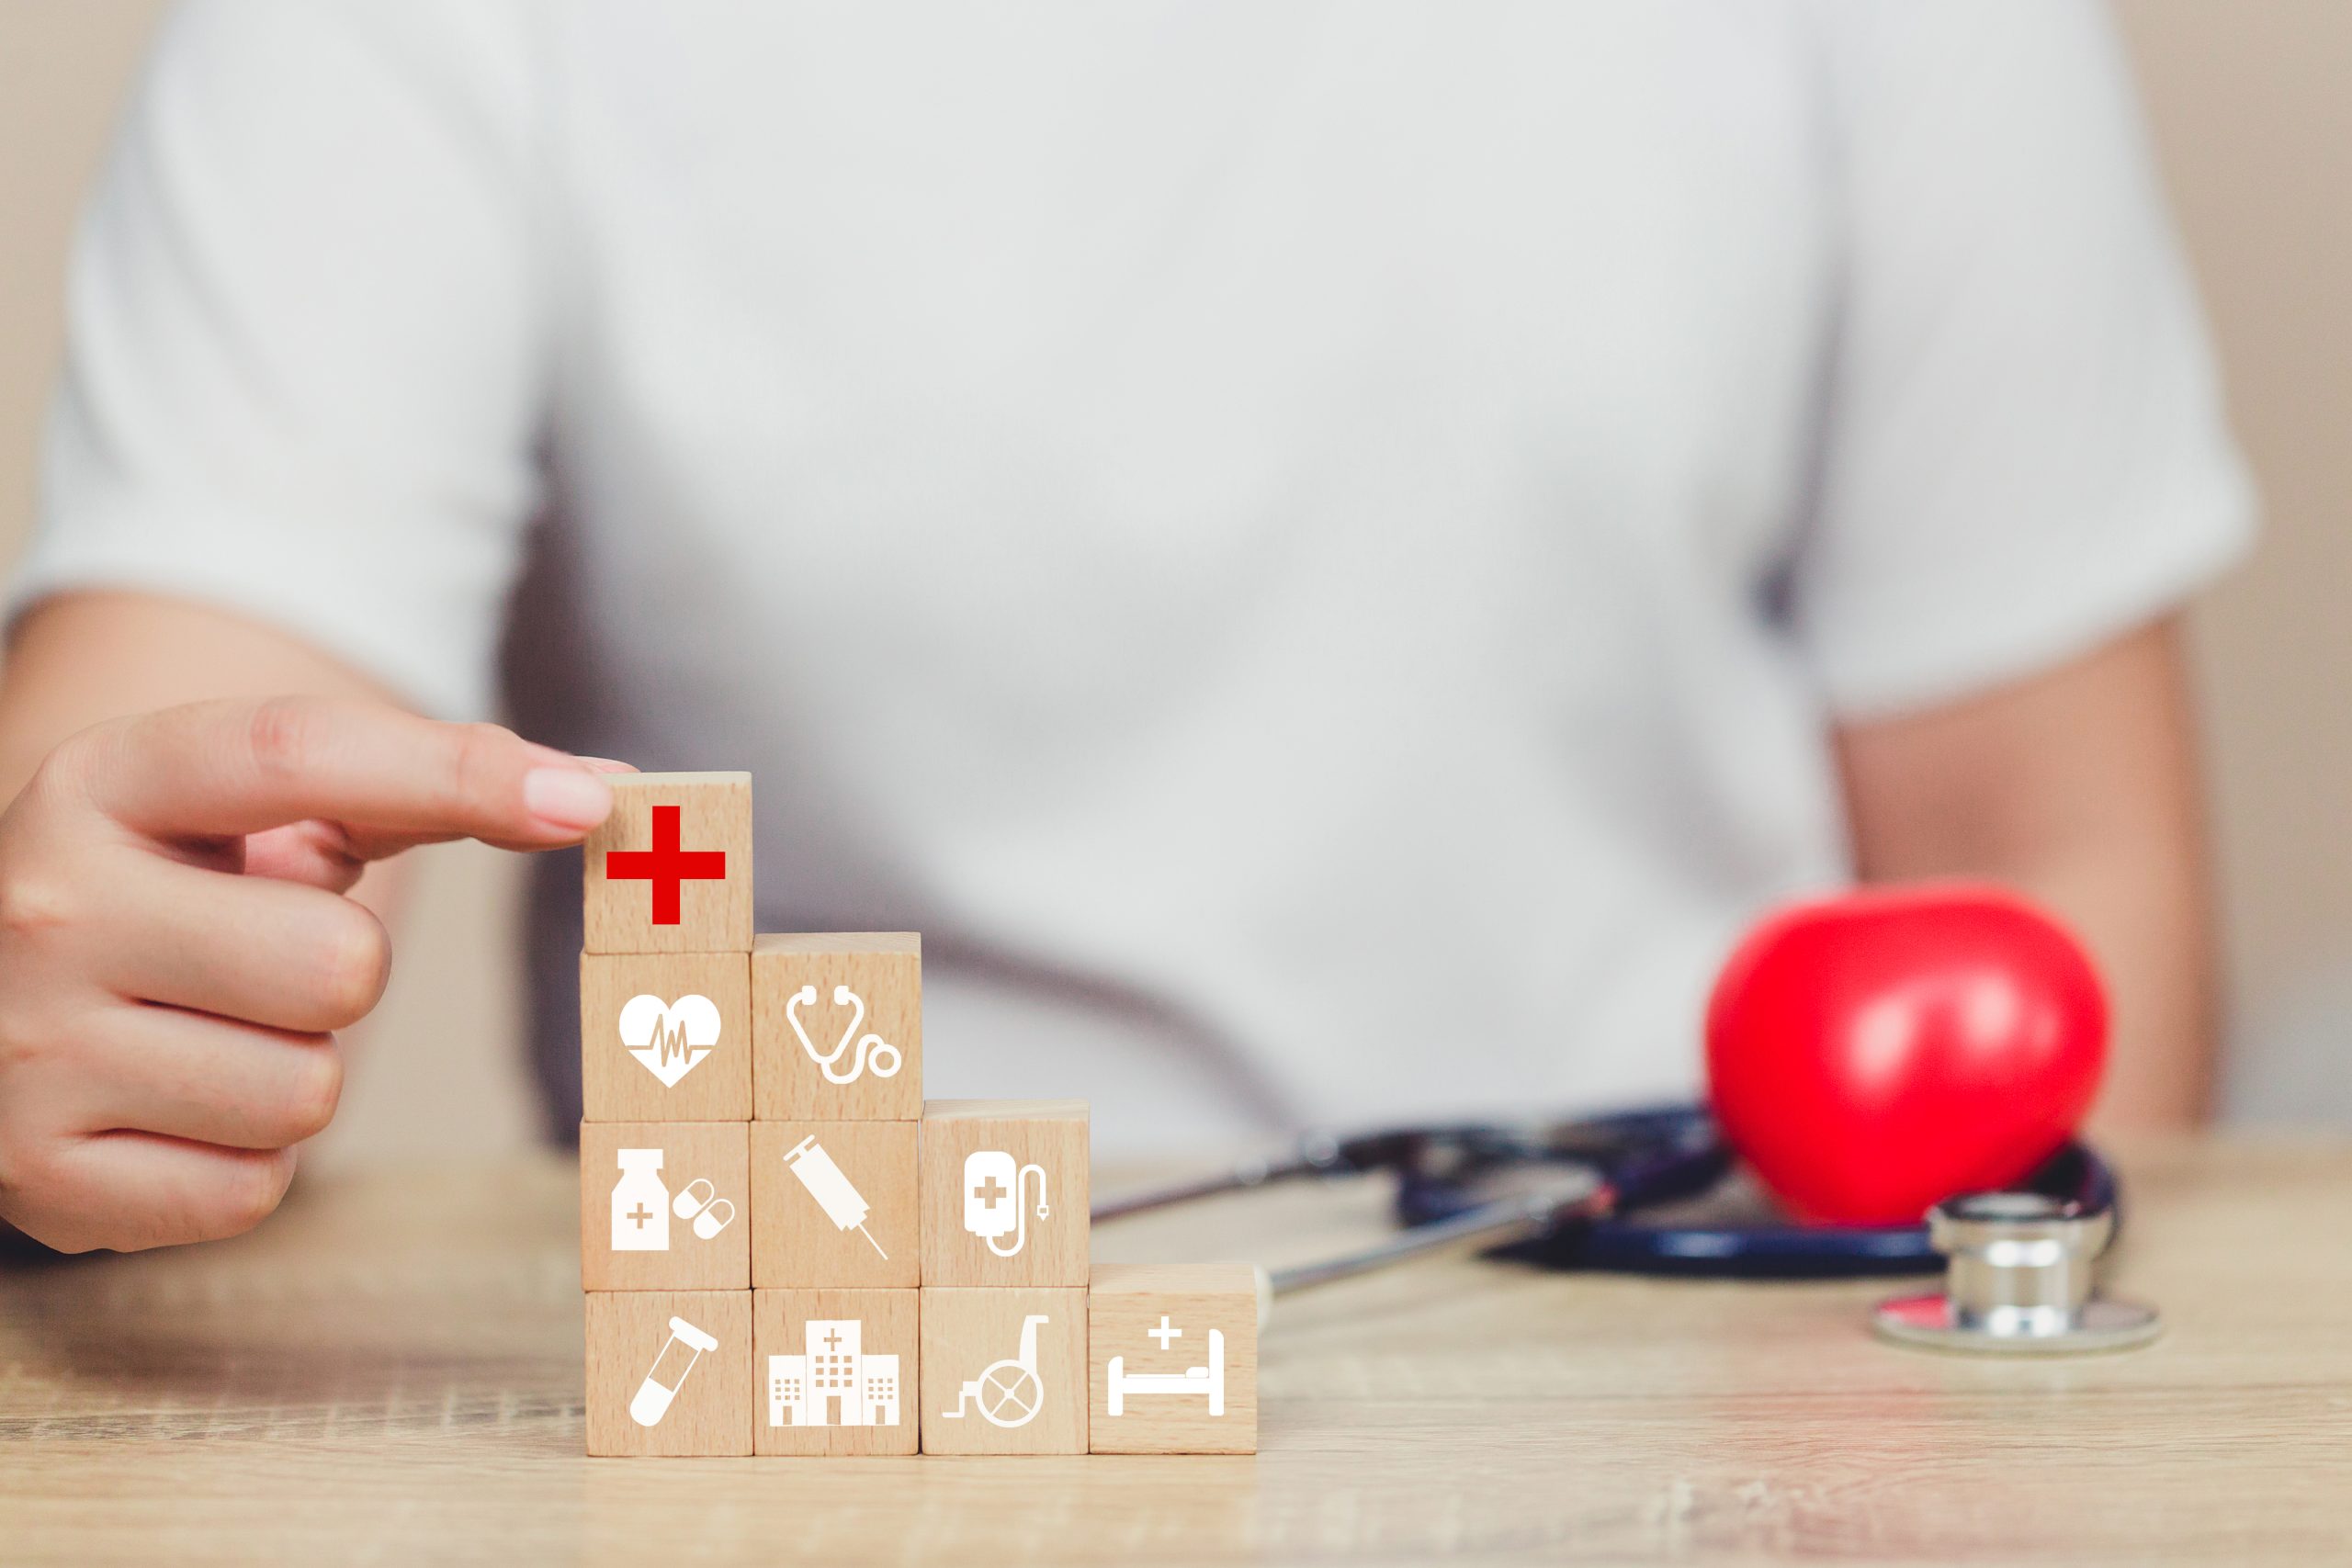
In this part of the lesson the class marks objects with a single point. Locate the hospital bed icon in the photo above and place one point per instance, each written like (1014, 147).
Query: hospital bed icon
(1208, 1380)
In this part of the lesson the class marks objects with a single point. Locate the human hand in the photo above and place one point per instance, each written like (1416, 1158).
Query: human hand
(176, 949)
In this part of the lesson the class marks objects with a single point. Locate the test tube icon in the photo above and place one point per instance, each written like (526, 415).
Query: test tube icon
(654, 1395)
(841, 1202)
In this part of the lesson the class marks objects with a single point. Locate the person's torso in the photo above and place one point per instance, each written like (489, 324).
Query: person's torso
(1251, 526)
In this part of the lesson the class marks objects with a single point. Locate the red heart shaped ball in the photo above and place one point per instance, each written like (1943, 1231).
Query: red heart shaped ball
(1874, 1053)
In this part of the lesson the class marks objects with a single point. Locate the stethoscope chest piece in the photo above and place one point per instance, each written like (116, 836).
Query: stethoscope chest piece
(2018, 1280)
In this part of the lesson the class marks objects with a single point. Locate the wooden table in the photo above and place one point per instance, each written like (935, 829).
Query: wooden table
(390, 1372)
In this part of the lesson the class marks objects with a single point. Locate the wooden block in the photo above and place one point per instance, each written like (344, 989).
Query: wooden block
(671, 869)
(1004, 1193)
(866, 1167)
(679, 1360)
(665, 1037)
(837, 1027)
(1003, 1371)
(1173, 1359)
(836, 1371)
(665, 1206)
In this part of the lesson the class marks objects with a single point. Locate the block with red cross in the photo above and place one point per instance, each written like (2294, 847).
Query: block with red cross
(671, 869)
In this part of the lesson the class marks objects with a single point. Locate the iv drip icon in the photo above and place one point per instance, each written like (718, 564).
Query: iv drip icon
(872, 1049)
(993, 1183)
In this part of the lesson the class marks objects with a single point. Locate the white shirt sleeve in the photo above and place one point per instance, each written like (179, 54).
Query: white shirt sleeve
(2023, 453)
(306, 360)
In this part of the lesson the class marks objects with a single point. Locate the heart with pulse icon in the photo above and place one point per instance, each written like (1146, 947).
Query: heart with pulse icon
(670, 1038)
(1874, 1053)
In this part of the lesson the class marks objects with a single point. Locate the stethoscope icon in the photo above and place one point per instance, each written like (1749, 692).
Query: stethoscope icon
(871, 1048)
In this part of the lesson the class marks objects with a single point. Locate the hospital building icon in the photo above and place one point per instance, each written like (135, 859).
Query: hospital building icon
(835, 1384)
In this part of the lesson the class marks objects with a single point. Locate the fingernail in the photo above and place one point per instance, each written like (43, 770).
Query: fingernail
(567, 797)
(608, 765)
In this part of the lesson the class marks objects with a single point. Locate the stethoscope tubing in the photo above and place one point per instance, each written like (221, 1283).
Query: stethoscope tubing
(1481, 1228)
(1610, 1168)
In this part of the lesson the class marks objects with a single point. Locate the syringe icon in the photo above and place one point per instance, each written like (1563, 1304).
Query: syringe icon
(841, 1202)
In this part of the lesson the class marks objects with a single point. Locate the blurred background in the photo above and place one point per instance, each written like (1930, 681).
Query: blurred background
(2255, 138)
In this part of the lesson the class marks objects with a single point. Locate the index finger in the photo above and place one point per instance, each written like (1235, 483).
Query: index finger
(233, 767)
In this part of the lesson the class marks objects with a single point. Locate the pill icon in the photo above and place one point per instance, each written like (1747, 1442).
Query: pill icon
(698, 1201)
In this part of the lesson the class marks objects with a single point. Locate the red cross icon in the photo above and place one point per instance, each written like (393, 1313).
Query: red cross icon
(664, 865)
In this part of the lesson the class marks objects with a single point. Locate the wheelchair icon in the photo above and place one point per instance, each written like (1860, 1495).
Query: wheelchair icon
(1007, 1394)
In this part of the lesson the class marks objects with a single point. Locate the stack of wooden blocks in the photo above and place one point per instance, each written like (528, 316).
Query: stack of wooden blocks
(786, 1251)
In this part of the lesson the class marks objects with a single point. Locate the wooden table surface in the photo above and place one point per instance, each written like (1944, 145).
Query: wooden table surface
(390, 1372)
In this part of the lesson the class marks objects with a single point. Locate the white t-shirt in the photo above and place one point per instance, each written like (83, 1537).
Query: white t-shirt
(1310, 549)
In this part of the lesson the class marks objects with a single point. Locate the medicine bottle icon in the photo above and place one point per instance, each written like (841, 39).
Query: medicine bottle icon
(640, 1204)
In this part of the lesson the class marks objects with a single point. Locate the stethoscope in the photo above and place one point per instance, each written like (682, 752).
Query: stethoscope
(1570, 1194)
(874, 1053)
